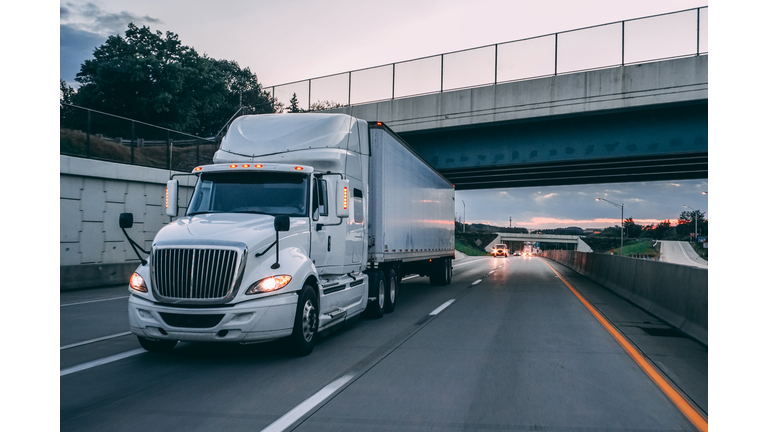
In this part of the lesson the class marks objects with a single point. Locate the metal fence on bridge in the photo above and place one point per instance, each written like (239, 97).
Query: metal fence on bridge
(97, 135)
(640, 40)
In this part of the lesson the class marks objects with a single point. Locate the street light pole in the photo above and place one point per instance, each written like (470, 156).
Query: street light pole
(464, 225)
(621, 206)
(695, 223)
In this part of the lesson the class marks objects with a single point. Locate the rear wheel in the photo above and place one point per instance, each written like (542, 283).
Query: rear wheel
(442, 273)
(378, 290)
(393, 288)
(304, 336)
(156, 345)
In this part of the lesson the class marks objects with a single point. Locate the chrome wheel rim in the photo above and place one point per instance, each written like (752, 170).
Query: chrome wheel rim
(309, 321)
(392, 286)
(382, 290)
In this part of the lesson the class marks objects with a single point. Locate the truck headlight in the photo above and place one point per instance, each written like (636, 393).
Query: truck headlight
(272, 283)
(137, 283)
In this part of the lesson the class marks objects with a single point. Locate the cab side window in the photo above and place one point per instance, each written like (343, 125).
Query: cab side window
(319, 199)
(358, 205)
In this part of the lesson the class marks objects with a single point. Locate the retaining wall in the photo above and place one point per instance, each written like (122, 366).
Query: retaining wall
(92, 194)
(675, 293)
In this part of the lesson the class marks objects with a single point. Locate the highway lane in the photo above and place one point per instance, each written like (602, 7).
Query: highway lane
(678, 252)
(515, 351)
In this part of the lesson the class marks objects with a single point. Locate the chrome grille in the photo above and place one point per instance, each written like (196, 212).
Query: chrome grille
(194, 273)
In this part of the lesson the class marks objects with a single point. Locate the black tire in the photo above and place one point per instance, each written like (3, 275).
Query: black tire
(375, 308)
(392, 286)
(442, 272)
(304, 336)
(157, 345)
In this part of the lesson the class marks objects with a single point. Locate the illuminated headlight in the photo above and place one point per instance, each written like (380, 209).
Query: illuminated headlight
(272, 283)
(137, 283)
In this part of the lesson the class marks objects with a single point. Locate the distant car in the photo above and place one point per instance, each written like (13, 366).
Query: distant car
(517, 253)
(500, 249)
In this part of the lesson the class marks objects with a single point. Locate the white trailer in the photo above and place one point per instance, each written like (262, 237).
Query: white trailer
(303, 222)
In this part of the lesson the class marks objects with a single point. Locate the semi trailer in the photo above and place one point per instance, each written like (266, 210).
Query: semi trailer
(301, 223)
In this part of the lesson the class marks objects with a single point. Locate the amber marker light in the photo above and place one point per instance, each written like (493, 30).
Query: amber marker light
(299, 168)
(246, 166)
(198, 169)
(258, 166)
(379, 123)
(137, 283)
(233, 166)
(346, 197)
(166, 200)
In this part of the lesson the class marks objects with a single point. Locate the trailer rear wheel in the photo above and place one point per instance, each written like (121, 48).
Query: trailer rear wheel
(393, 288)
(378, 290)
(442, 273)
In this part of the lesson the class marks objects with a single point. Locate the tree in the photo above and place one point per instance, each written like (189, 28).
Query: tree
(631, 229)
(153, 78)
(294, 105)
(688, 221)
(325, 105)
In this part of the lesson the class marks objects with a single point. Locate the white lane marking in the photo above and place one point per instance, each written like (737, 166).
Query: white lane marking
(93, 301)
(289, 418)
(457, 265)
(492, 272)
(89, 341)
(477, 282)
(442, 306)
(101, 361)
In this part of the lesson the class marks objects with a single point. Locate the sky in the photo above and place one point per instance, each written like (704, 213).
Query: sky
(294, 40)
(283, 41)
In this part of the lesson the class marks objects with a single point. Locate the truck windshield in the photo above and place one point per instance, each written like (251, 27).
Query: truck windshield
(272, 193)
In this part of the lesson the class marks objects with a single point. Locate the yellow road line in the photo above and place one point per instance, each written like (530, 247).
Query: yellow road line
(680, 402)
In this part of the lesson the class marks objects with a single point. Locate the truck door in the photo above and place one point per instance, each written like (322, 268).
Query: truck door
(328, 231)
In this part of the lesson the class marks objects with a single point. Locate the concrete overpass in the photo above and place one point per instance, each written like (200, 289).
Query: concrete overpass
(541, 238)
(643, 122)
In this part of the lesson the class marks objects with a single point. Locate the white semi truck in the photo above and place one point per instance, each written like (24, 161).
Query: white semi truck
(302, 223)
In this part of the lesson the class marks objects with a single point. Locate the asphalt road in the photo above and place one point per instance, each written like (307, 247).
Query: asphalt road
(678, 252)
(506, 346)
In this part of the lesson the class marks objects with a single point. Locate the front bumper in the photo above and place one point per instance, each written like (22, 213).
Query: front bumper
(253, 321)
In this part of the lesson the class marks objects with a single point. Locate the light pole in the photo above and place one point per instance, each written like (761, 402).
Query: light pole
(695, 222)
(621, 206)
(464, 225)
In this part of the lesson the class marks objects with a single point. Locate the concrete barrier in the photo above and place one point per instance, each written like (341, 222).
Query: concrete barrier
(675, 293)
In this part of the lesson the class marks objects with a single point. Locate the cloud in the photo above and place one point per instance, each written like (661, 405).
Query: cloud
(85, 26)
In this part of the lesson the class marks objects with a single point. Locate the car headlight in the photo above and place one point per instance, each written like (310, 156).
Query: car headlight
(272, 283)
(137, 283)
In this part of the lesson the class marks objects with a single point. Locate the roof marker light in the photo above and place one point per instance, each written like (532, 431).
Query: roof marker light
(198, 169)
(379, 124)
(299, 168)
(246, 166)
(258, 166)
(233, 166)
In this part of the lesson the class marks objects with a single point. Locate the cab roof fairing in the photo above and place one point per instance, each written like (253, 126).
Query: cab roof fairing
(253, 136)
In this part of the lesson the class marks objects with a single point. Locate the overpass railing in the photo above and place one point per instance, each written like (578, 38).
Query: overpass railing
(97, 135)
(640, 40)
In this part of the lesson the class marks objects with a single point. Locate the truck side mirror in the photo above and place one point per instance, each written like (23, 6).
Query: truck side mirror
(126, 220)
(282, 223)
(172, 198)
(342, 198)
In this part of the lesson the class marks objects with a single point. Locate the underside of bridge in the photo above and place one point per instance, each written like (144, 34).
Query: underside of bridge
(661, 142)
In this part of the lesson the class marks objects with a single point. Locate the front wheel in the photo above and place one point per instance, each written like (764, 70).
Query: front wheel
(156, 345)
(304, 336)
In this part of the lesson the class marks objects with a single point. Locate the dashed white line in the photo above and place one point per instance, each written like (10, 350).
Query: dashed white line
(442, 306)
(94, 340)
(93, 301)
(492, 272)
(477, 282)
(101, 361)
(289, 418)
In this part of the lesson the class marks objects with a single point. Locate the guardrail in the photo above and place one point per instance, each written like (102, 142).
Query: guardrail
(640, 40)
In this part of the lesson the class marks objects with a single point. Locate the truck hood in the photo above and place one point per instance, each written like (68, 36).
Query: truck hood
(252, 229)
